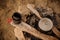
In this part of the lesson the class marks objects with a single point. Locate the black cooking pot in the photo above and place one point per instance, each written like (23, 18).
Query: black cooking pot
(16, 18)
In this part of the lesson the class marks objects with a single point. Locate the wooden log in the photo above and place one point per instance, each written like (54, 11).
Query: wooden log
(19, 34)
(27, 28)
(56, 31)
(29, 6)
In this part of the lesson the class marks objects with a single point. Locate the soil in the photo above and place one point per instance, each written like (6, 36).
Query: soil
(8, 7)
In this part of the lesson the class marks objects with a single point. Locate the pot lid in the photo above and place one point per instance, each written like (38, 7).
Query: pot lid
(45, 24)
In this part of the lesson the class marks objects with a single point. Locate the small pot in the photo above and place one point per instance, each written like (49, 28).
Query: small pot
(16, 18)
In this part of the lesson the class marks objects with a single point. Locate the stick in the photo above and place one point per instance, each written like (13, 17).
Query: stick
(29, 6)
(27, 28)
(19, 34)
(56, 31)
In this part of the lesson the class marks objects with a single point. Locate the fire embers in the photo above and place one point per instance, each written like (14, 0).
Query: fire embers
(32, 20)
(16, 18)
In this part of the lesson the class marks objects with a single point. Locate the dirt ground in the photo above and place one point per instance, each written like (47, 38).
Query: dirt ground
(8, 7)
